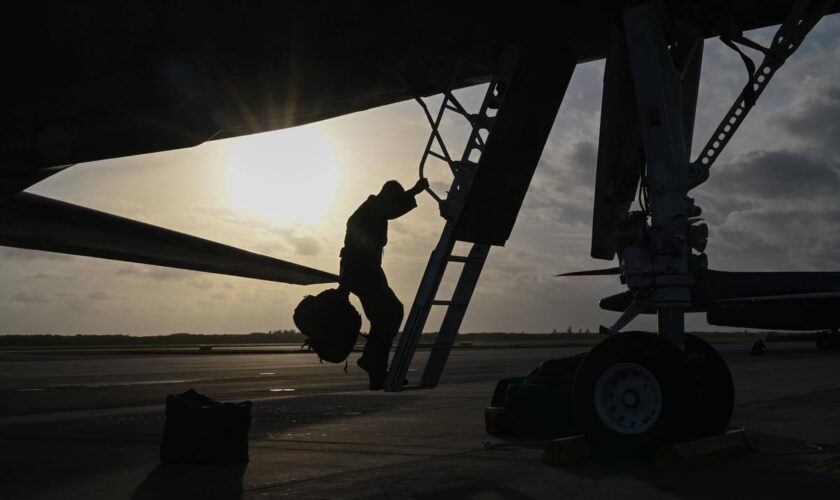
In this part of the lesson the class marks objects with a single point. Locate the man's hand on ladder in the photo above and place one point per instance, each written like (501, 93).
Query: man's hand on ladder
(420, 186)
(446, 209)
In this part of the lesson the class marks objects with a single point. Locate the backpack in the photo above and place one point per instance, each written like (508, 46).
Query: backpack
(330, 323)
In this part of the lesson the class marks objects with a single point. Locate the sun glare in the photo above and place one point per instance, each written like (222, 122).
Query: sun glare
(285, 176)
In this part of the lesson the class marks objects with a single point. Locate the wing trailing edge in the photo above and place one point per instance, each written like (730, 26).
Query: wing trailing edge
(40, 223)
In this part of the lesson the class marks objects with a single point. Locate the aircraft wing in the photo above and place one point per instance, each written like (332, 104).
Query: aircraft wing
(41, 223)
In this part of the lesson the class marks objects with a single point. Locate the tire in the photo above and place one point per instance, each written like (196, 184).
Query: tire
(828, 341)
(715, 390)
(651, 378)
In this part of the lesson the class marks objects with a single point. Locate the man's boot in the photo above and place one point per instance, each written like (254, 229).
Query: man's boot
(374, 361)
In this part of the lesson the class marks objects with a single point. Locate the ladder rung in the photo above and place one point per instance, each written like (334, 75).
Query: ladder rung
(438, 156)
(468, 116)
(463, 258)
(447, 303)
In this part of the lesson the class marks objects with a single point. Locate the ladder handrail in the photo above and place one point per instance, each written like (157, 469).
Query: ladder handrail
(434, 136)
(449, 102)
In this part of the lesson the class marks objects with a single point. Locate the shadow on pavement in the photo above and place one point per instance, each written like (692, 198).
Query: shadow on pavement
(185, 482)
(478, 490)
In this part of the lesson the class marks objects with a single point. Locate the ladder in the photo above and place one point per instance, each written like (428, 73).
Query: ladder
(463, 171)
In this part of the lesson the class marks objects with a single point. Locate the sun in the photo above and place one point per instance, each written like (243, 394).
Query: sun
(289, 176)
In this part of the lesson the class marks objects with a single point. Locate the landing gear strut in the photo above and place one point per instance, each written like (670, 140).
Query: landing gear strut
(636, 391)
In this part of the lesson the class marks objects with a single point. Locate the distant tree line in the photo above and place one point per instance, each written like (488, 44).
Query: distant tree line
(293, 337)
(270, 337)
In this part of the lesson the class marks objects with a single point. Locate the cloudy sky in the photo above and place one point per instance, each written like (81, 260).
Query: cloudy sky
(771, 203)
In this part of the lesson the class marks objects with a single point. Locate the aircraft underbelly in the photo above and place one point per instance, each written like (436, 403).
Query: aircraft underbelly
(255, 66)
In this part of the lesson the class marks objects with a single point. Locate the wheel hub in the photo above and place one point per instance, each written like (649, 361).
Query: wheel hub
(628, 398)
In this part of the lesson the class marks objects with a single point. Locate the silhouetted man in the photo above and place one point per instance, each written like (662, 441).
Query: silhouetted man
(362, 274)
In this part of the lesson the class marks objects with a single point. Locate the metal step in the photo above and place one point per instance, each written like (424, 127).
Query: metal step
(449, 303)
(460, 258)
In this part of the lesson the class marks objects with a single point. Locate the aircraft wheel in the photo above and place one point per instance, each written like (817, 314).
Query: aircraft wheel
(715, 389)
(633, 393)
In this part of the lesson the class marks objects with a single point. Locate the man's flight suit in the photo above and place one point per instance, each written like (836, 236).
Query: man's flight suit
(362, 274)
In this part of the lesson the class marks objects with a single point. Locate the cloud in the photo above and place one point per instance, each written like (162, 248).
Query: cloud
(774, 210)
(167, 274)
(561, 192)
(127, 270)
(815, 118)
(28, 255)
(99, 296)
(583, 157)
(239, 219)
(156, 273)
(778, 176)
(30, 297)
(781, 239)
(306, 245)
(275, 239)
(440, 187)
(50, 276)
(201, 283)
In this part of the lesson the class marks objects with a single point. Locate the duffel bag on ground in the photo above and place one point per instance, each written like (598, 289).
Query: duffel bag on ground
(200, 430)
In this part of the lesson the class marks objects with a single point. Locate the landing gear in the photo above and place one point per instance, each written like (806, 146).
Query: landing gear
(636, 391)
(828, 341)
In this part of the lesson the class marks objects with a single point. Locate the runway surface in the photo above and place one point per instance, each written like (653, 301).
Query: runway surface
(87, 425)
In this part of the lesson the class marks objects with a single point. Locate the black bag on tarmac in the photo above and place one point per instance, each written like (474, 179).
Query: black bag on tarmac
(201, 430)
(330, 323)
(538, 406)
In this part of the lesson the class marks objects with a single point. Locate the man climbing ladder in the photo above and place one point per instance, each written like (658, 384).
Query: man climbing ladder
(361, 271)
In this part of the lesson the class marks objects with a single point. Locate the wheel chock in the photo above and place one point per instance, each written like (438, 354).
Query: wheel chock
(566, 451)
(703, 451)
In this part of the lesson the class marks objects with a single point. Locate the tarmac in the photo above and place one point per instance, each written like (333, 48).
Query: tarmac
(88, 425)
